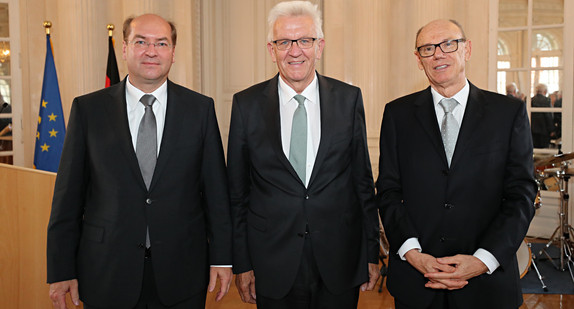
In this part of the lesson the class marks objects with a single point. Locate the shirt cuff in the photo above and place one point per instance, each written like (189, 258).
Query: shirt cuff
(409, 244)
(488, 259)
(221, 265)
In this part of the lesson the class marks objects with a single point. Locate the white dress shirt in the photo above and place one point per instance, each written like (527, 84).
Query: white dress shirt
(287, 107)
(458, 112)
(136, 110)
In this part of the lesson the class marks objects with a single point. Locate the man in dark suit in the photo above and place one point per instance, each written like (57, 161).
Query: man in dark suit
(542, 122)
(140, 208)
(456, 186)
(302, 203)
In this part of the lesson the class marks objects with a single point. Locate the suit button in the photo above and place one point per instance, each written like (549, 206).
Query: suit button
(148, 201)
(448, 206)
(306, 197)
(442, 239)
(445, 172)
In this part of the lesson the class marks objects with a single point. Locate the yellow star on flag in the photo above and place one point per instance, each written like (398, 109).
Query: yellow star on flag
(39, 119)
(45, 147)
(52, 117)
(53, 133)
(37, 134)
(44, 103)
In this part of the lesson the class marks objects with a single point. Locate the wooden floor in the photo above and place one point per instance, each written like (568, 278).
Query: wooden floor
(383, 300)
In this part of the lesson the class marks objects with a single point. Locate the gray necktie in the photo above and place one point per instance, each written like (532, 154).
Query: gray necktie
(146, 146)
(449, 128)
(298, 146)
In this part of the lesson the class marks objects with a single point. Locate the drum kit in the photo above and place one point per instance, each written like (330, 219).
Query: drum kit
(552, 174)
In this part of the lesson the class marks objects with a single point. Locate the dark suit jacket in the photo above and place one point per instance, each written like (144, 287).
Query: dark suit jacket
(542, 122)
(484, 200)
(270, 205)
(101, 206)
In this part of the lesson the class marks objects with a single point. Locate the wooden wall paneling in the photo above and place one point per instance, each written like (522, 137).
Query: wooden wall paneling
(234, 51)
(25, 199)
(34, 203)
(9, 240)
(32, 42)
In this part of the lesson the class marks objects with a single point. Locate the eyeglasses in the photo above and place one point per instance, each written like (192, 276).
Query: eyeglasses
(303, 43)
(141, 44)
(449, 46)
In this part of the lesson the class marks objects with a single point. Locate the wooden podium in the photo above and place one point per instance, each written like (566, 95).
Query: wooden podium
(25, 202)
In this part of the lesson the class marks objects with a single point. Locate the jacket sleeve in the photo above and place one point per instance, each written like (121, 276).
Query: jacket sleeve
(215, 193)
(398, 226)
(363, 180)
(64, 227)
(506, 232)
(238, 164)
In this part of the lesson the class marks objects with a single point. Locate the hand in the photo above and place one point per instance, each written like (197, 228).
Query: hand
(374, 275)
(225, 274)
(245, 283)
(58, 292)
(467, 267)
(426, 263)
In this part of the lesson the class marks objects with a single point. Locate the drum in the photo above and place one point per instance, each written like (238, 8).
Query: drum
(523, 255)
(550, 179)
(552, 184)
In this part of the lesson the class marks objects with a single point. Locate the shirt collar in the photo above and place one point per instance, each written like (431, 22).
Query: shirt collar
(461, 97)
(311, 92)
(134, 94)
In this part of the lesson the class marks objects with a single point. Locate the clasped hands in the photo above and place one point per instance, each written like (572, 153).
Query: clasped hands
(450, 273)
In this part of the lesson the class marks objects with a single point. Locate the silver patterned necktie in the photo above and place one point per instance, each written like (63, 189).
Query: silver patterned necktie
(449, 128)
(146, 146)
(298, 146)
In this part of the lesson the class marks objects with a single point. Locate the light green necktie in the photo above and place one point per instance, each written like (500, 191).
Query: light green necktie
(450, 127)
(298, 147)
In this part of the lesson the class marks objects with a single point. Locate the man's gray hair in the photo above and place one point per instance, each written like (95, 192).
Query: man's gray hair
(295, 8)
(541, 89)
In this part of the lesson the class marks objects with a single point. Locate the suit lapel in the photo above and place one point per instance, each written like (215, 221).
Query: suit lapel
(173, 126)
(472, 117)
(116, 108)
(327, 99)
(426, 115)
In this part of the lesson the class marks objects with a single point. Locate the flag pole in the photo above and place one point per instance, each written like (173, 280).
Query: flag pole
(47, 26)
(110, 29)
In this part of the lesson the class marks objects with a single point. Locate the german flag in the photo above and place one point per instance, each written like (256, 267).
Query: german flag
(112, 73)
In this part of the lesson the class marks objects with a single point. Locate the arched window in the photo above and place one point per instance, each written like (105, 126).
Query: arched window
(542, 42)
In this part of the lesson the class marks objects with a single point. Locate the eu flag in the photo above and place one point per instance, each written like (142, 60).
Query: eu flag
(51, 127)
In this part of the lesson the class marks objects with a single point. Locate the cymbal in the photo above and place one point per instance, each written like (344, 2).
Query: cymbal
(555, 159)
(541, 158)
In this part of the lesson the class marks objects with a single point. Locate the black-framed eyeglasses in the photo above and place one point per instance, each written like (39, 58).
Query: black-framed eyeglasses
(286, 44)
(448, 46)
